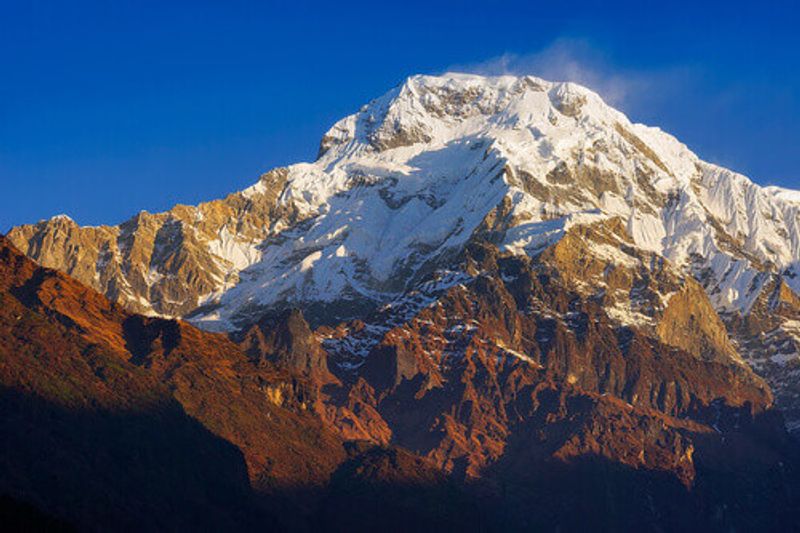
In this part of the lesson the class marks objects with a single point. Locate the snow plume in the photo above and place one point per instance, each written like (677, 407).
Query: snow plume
(579, 61)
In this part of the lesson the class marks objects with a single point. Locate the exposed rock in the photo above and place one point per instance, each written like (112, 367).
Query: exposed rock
(286, 341)
(165, 263)
(509, 375)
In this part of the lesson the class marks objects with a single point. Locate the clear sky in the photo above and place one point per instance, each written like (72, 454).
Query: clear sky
(110, 107)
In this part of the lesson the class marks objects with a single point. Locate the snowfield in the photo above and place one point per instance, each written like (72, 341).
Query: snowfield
(415, 173)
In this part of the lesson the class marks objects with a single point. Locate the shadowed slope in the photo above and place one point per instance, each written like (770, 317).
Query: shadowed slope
(517, 402)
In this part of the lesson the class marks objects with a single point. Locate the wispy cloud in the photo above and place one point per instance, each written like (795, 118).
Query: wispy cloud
(579, 61)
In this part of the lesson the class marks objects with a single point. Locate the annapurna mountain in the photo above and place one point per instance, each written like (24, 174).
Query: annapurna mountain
(376, 228)
(490, 304)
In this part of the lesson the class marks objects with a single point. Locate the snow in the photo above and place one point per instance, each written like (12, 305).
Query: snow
(519, 355)
(614, 255)
(254, 190)
(532, 237)
(783, 358)
(625, 315)
(409, 178)
(786, 195)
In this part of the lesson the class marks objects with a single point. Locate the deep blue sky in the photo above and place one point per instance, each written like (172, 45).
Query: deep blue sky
(110, 107)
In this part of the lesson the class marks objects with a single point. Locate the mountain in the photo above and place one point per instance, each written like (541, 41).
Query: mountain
(402, 186)
(112, 420)
(484, 289)
(414, 175)
(115, 421)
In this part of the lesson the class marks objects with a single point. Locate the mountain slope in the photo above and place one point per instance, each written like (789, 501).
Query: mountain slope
(179, 424)
(403, 185)
(509, 391)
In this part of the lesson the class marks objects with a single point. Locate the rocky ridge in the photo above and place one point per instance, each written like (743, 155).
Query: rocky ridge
(511, 389)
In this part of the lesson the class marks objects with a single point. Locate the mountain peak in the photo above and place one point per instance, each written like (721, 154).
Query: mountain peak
(439, 109)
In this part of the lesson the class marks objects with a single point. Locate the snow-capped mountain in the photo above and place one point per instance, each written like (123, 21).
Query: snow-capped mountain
(403, 185)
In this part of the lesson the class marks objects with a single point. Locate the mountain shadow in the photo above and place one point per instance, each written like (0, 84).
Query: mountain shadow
(150, 469)
(739, 486)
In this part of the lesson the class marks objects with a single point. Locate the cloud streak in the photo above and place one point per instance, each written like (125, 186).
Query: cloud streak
(578, 61)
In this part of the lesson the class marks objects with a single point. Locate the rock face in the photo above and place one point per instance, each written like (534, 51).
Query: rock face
(769, 337)
(286, 341)
(182, 425)
(455, 381)
(511, 391)
(163, 263)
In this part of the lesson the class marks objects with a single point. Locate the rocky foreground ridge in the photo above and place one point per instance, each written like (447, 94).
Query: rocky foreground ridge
(513, 403)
